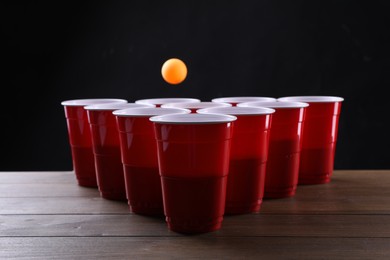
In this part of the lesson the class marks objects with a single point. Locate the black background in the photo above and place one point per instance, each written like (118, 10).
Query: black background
(56, 51)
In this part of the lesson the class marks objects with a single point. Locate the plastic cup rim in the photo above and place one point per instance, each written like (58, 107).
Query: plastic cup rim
(157, 101)
(148, 111)
(90, 101)
(116, 106)
(239, 99)
(193, 118)
(312, 99)
(240, 111)
(274, 104)
(195, 105)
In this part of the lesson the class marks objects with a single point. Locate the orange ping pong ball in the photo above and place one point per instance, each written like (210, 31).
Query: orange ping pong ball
(174, 71)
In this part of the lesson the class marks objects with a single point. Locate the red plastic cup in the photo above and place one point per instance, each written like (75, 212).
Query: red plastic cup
(193, 152)
(158, 102)
(236, 100)
(195, 106)
(139, 158)
(249, 152)
(319, 137)
(80, 139)
(106, 148)
(284, 147)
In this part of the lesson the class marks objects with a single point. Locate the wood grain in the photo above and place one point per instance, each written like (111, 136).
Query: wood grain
(350, 192)
(194, 247)
(46, 215)
(48, 190)
(245, 225)
(38, 177)
(61, 205)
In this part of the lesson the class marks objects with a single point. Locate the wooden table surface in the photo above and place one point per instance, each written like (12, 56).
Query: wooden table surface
(46, 215)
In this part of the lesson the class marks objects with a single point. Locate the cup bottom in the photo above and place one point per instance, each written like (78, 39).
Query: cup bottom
(232, 209)
(143, 189)
(84, 166)
(146, 210)
(316, 165)
(307, 179)
(194, 205)
(109, 173)
(90, 183)
(280, 193)
(245, 187)
(119, 196)
(194, 227)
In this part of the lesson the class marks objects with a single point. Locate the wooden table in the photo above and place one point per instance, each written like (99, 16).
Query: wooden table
(46, 215)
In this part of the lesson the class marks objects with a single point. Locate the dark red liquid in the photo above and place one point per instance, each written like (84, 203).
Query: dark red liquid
(84, 166)
(194, 205)
(110, 176)
(282, 169)
(316, 166)
(143, 189)
(245, 186)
